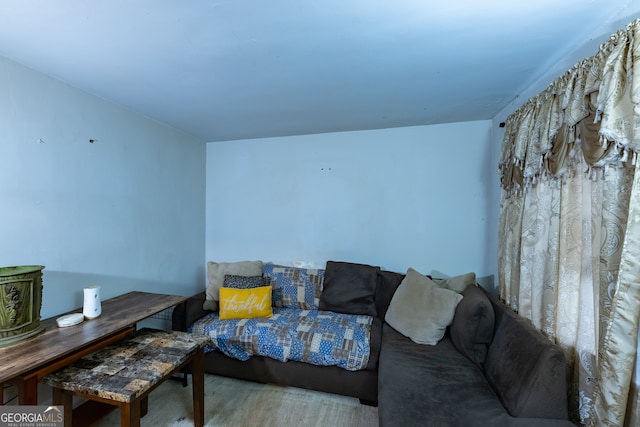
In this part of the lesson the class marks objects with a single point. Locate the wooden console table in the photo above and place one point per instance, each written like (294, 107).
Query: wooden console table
(24, 364)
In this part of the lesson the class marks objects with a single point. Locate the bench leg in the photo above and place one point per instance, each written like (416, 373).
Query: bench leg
(144, 406)
(61, 397)
(130, 414)
(197, 381)
(27, 390)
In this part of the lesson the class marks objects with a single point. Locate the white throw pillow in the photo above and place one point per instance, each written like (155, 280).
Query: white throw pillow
(420, 309)
(216, 272)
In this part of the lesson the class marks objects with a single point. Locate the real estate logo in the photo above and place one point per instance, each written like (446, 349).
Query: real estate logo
(31, 416)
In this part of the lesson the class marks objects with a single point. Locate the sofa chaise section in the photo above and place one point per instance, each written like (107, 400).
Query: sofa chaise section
(520, 380)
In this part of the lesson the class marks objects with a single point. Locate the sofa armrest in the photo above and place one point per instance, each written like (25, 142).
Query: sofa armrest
(186, 313)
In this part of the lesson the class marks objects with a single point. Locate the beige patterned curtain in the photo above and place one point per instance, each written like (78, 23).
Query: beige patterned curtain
(569, 232)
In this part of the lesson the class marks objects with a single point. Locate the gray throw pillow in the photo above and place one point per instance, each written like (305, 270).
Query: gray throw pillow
(217, 270)
(457, 283)
(215, 275)
(420, 309)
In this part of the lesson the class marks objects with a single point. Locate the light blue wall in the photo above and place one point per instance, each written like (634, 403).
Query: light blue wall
(125, 212)
(416, 197)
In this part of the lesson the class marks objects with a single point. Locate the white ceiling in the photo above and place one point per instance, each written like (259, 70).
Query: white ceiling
(223, 70)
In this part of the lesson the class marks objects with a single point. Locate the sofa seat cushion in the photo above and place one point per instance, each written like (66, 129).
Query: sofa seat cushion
(311, 336)
(432, 385)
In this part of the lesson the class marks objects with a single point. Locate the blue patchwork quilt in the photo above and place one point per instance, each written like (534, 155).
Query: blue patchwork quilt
(312, 336)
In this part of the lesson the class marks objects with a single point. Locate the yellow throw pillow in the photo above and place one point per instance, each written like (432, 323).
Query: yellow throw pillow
(245, 303)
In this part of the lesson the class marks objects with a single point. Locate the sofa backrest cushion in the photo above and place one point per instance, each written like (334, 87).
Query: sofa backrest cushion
(457, 283)
(526, 370)
(388, 282)
(473, 322)
(349, 288)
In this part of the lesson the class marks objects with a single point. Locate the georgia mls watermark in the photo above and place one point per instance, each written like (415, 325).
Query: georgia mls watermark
(31, 416)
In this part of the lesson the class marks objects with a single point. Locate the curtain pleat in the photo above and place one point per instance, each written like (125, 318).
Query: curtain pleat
(618, 351)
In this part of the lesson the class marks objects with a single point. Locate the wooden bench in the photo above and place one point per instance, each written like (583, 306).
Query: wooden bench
(123, 374)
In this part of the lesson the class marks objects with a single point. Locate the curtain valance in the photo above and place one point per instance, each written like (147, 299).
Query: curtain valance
(592, 111)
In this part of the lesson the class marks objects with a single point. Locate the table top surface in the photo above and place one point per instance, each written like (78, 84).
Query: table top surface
(55, 343)
(129, 368)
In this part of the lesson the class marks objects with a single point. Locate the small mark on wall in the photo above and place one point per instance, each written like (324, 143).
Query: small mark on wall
(325, 169)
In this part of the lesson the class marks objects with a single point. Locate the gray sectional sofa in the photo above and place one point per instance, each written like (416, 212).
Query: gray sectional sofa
(490, 368)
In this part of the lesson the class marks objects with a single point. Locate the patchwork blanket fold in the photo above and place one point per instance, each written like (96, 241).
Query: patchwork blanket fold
(318, 337)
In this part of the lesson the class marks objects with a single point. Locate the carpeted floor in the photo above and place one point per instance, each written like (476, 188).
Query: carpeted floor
(236, 403)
